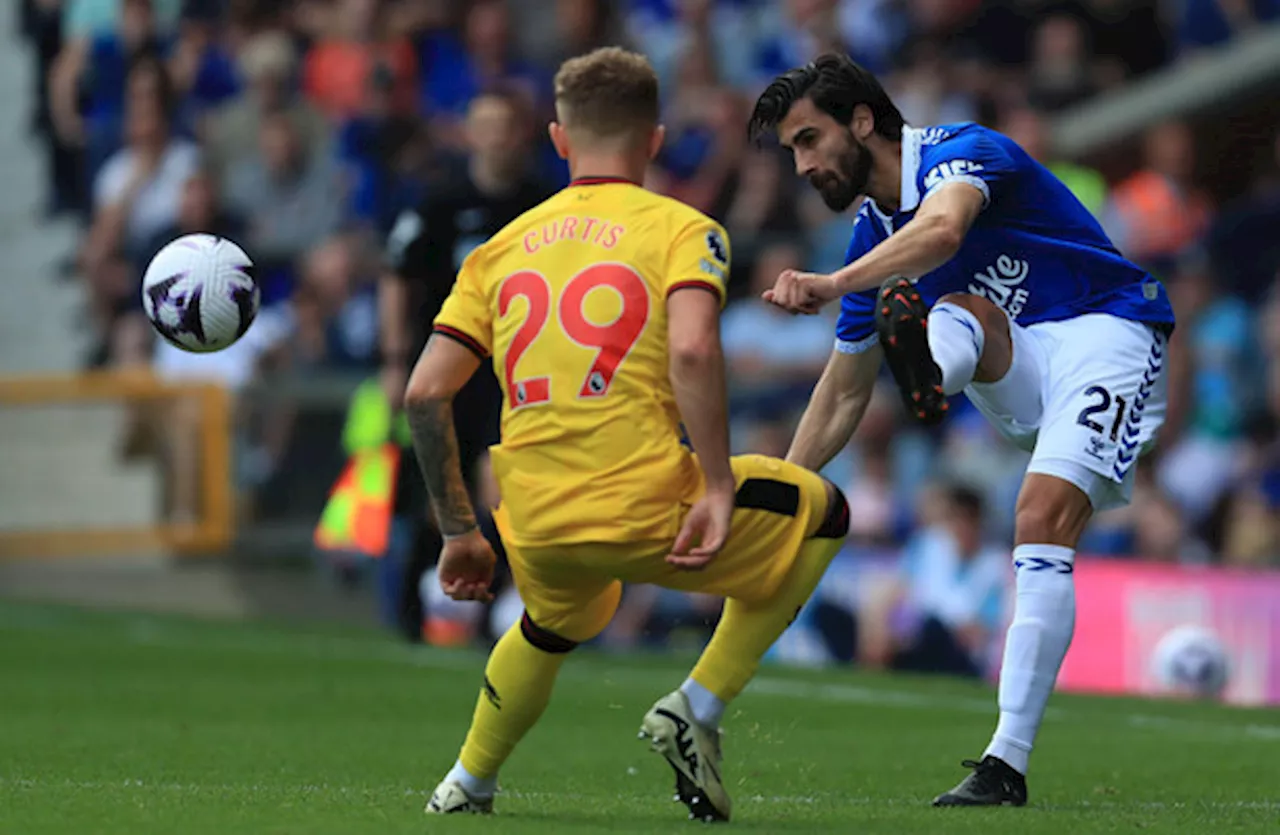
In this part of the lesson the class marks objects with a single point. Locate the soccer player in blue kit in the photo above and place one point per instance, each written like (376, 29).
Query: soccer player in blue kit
(974, 269)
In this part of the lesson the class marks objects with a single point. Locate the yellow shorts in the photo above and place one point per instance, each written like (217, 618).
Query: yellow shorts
(573, 590)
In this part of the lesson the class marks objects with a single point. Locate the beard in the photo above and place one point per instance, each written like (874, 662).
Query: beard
(839, 188)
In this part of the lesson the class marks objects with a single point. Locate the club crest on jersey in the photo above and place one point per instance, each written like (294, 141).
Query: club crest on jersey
(715, 243)
(999, 284)
(950, 170)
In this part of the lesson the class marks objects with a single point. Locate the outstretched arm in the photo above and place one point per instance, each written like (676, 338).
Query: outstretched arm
(925, 243)
(835, 407)
(443, 369)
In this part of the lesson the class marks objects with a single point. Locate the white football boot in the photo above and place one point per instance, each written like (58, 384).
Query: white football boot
(450, 798)
(694, 754)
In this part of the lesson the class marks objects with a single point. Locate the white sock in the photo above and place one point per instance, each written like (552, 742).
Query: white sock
(706, 706)
(1044, 617)
(476, 787)
(955, 340)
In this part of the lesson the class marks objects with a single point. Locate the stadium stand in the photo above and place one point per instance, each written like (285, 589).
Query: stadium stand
(319, 121)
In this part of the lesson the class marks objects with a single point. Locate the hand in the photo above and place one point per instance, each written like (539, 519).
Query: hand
(466, 567)
(395, 379)
(798, 292)
(708, 525)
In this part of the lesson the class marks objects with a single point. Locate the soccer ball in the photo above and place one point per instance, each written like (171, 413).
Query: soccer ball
(1191, 661)
(200, 293)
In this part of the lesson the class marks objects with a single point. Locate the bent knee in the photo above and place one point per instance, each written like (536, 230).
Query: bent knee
(997, 339)
(992, 317)
(560, 631)
(545, 639)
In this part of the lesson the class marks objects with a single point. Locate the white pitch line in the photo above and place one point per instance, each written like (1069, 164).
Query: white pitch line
(853, 694)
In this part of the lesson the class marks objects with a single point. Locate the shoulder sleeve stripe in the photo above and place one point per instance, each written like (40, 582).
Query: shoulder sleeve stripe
(844, 346)
(697, 284)
(463, 339)
(969, 180)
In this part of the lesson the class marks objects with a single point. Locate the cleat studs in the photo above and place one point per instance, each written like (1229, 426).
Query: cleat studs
(884, 311)
(915, 395)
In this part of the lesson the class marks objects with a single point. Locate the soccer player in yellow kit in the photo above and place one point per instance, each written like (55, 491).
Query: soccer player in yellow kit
(600, 308)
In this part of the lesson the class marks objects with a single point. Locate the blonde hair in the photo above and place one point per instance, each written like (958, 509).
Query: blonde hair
(608, 93)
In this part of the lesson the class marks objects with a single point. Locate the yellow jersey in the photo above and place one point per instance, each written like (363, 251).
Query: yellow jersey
(570, 301)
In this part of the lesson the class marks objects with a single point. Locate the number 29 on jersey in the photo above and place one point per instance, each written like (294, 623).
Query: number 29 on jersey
(610, 341)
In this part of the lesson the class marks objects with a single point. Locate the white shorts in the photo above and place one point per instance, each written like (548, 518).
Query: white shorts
(1085, 397)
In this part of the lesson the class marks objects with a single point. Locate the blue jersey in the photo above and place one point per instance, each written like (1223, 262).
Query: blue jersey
(1034, 250)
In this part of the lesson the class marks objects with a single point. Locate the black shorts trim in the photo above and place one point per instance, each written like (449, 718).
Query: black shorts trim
(768, 495)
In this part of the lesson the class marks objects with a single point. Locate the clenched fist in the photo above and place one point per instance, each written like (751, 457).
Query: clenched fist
(798, 292)
(466, 567)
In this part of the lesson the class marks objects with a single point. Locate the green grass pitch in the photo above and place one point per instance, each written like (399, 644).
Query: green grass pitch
(123, 723)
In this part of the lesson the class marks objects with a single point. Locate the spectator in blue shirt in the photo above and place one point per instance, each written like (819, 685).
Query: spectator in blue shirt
(204, 71)
(951, 593)
(87, 84)
(457, 70)
(1209, 23)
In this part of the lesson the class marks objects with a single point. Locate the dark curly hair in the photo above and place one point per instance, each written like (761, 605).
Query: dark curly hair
(836, 84)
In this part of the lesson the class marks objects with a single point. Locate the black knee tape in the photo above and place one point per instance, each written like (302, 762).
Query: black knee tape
(835, 525)
(544, 639)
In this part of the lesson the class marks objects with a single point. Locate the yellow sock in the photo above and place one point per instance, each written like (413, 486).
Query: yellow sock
(745, 633)
(517, 686)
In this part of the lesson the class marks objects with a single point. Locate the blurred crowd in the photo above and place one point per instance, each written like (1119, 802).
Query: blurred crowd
(311, 131)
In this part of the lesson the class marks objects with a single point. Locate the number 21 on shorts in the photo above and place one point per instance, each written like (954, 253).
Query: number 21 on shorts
(611, 342)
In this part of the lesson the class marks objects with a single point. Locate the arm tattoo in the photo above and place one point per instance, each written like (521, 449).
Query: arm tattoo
(436, 445)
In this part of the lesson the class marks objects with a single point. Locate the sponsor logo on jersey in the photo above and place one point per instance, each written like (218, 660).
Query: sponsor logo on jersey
(711, 269)
(933, 136)
(715, 243)
(950, 170)
(1000, 284)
